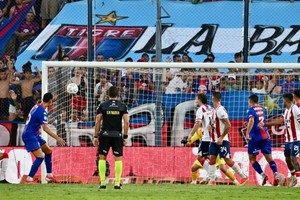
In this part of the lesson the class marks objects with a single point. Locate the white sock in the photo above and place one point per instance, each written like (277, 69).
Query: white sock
(238, 170)
(29, 178)
(212, 172)
(206, 165)
(49, 174)
(3, 168)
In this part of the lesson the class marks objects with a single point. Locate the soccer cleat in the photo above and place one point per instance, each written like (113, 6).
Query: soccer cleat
(4, 181)
(293, 181)
(118, 187)
(212, 182)
(51, 179)
(102, 187)
(265, 180)
(235, 182)
(204, 181)
(276, 181)
(244, 181)
(30, 182)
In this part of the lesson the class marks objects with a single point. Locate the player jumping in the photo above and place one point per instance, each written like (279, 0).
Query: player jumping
(259, 139)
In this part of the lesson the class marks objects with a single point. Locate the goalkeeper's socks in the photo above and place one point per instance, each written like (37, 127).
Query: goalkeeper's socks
(35, 166)
(48, 163)
(230, 175)
(238, 170)
(118, 171)
(102, 171)
(212, 171)
(194, 175)
(257, 167)
(273, 166)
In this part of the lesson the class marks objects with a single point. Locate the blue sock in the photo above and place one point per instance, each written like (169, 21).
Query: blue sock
(35, 166)
(48, 163)
(257, 167)
(273, 166)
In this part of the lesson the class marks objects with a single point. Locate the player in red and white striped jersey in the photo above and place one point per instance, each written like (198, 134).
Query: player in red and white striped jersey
(291, 120)
(220, 145)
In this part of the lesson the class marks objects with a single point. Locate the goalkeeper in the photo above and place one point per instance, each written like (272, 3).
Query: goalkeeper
(220, 163)
(200, 131)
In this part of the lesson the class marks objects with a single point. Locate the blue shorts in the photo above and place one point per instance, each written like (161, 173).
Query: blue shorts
(291, 148)
(263, 145)
(32, 142)
(203, 149)
(222, 150)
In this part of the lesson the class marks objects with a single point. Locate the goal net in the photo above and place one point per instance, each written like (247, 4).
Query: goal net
(161, 103)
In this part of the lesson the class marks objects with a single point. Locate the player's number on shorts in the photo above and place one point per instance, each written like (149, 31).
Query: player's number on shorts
(223, 149)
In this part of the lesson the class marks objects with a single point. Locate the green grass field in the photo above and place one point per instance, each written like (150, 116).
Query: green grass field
(159, 191)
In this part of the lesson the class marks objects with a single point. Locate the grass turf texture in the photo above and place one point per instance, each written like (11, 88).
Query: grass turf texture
(159, 191)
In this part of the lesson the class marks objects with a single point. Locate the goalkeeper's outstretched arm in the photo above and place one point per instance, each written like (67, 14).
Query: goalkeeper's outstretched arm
(197, 125)
(196, 136)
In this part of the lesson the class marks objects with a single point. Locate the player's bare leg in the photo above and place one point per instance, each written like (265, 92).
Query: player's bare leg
(297, 171)
(196, 166)
(48, 162)
(290, 165)
(237, 169)
(229, 174)
(35, 165)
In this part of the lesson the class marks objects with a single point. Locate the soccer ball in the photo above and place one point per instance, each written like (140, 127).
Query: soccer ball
(72, 88)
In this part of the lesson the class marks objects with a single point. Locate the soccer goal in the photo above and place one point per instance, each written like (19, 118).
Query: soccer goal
(161, 104)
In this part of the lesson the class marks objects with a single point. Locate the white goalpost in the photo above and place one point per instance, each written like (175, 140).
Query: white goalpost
(72, 116)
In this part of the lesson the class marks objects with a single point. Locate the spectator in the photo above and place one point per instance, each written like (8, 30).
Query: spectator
(153, 58)
(2, 66)
(110, 59)
(101, 90)
(238, 57)
(180, 84)
(214, 80)
(15, 110)
(143, 88)
(26, 32)
(211, 57)
(267, 59)
(82, 58)
(127, 89)
(100, 58)
(289, 84)
(274, 84)
(231, 83)
(11, 70)
(19, 4)
(185, 58)
(49, 10)
(3, 20)
(4, 101)
(27, 87)
(4, 6)
(52, 83)
(260, 85)
(58, 54)
(144, 58)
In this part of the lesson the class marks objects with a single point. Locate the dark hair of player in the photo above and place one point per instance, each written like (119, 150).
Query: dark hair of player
(202, 97)
(288, 96)
(254, 98)
(113, 92)
(217, 95)
(47, 97)
(297, 93)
